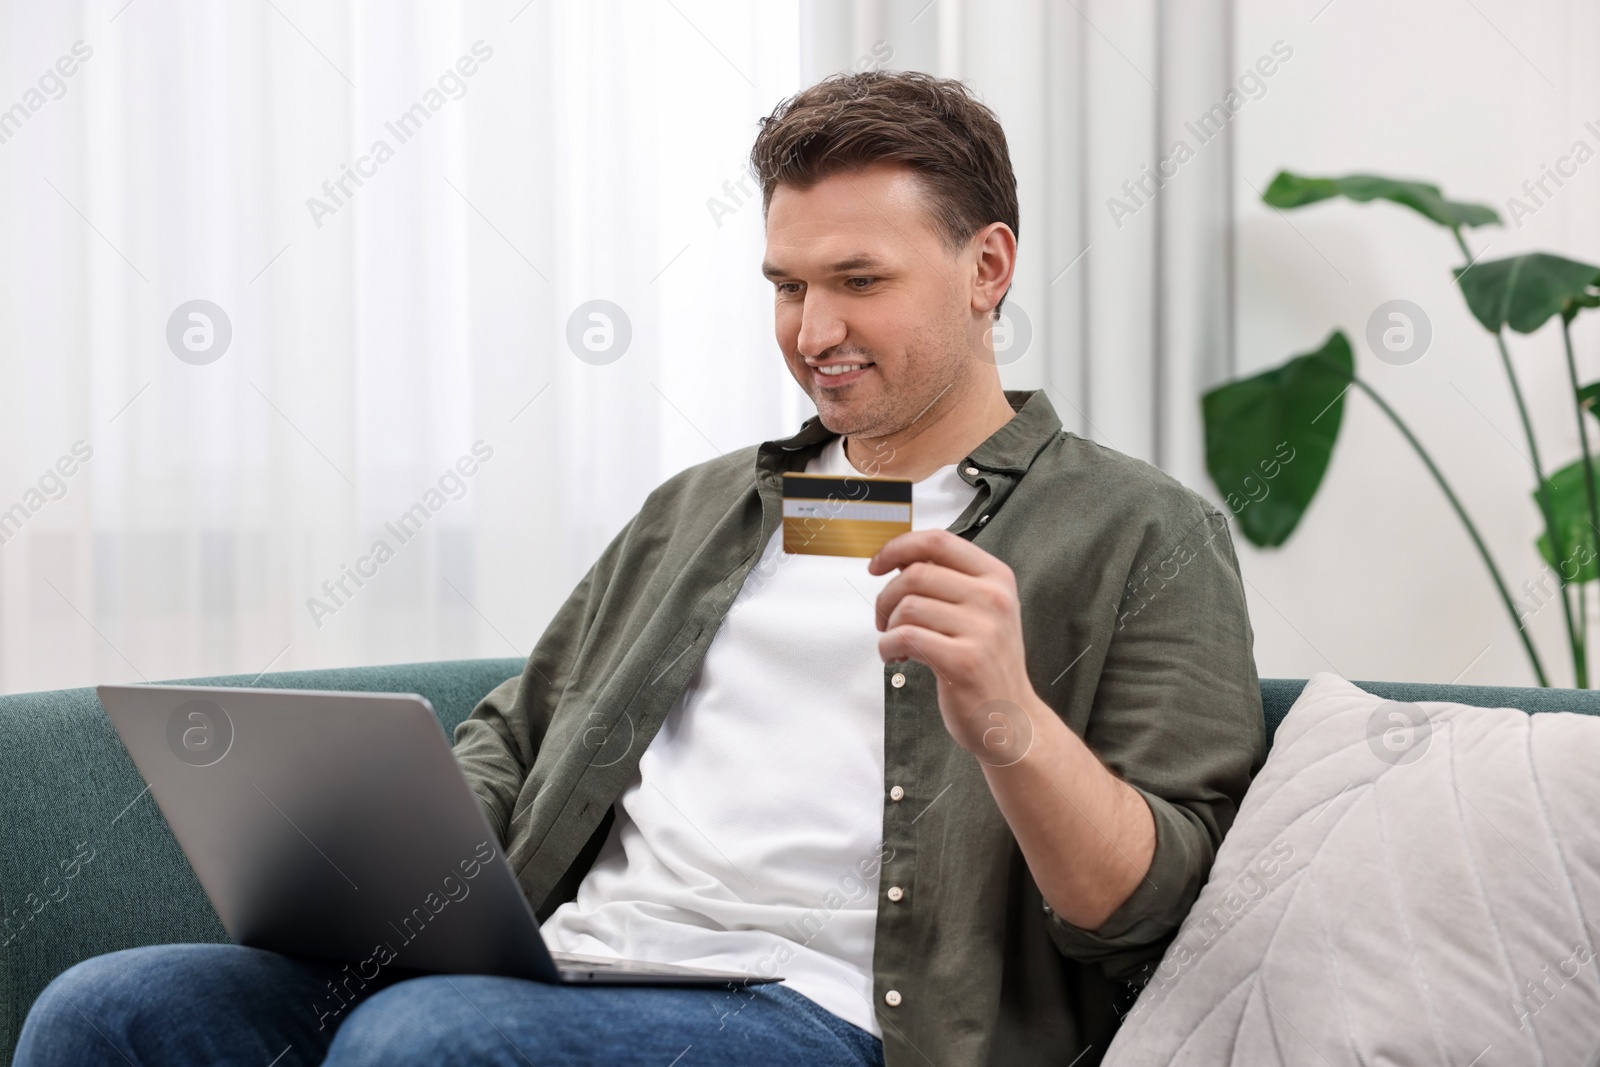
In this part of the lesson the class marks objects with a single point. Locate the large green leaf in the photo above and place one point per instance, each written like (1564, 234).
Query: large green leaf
(1523, 292)
(1294, 190)
(1570, 502)
(1269, 438)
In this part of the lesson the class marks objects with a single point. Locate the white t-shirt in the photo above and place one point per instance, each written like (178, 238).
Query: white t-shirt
(750, 838)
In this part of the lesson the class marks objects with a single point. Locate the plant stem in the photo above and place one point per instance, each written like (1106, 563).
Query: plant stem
(1588, 465)
(1580, 659)
(1580, 666)
(1461, 513)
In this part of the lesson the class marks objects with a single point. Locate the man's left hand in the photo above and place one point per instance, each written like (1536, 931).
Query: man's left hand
(955, 608)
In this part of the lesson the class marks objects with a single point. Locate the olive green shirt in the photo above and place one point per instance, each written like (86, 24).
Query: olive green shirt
(1134, 618)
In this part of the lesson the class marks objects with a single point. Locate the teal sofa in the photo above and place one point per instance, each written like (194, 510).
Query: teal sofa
(88, 864)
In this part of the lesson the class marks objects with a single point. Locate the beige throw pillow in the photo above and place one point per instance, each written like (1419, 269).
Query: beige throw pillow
(1409, 884)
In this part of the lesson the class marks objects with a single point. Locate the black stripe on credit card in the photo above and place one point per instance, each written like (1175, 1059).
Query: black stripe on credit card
(851, 487)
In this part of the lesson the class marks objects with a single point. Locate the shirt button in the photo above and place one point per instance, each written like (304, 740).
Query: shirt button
(897, 793)
(983, 520)
(898, 680)
(893, 998)
(896, 894)
(973, 471)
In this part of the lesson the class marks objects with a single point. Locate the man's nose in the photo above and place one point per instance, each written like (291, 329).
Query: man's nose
(821, 327)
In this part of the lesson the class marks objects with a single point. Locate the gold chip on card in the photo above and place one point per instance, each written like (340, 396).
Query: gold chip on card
(848, 515)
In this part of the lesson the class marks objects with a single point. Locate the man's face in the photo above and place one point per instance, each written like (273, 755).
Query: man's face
(863, 281)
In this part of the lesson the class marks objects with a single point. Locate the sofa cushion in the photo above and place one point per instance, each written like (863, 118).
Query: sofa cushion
(1404, 883)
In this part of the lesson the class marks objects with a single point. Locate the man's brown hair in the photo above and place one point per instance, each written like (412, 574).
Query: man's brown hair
(933, 125)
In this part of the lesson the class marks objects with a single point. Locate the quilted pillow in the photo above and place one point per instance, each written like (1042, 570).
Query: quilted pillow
(1404, 884)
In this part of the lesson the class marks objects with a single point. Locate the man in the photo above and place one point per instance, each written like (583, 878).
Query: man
(959, 796)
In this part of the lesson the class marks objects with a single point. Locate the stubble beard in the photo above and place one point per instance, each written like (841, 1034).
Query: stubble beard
(936, 364)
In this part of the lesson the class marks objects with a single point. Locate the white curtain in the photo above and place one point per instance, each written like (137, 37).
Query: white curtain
(405, 213)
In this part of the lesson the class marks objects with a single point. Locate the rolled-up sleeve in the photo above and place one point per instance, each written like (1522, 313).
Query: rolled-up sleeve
(1177, 715)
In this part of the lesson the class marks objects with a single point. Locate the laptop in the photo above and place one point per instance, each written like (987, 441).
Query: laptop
(339, 826)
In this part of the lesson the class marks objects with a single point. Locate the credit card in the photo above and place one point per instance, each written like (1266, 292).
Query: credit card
(850, 515)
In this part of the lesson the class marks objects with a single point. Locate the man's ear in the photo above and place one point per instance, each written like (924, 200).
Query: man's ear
(995, 248)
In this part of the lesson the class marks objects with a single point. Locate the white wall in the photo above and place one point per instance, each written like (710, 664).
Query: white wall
(1380, 581)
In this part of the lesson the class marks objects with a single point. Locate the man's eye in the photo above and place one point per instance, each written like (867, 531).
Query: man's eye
(788, 288)
(867, 282)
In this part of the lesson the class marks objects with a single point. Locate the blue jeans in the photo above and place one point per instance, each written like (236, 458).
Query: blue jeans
(223, 1004)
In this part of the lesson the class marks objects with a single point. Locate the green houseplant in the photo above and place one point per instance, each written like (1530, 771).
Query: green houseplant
(1269, 437)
